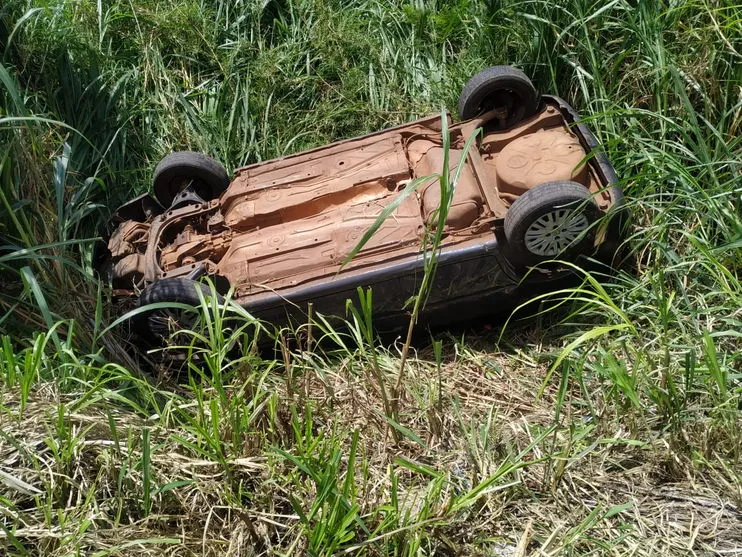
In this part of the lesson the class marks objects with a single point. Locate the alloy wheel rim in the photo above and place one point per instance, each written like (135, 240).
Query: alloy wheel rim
(555, 231)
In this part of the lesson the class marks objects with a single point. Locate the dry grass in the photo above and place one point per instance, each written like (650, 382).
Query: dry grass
(586, 486)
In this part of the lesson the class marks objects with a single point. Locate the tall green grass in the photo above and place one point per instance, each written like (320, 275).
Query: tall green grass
(636, 377)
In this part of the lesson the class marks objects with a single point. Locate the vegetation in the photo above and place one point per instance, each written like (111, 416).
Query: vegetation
(609, 426)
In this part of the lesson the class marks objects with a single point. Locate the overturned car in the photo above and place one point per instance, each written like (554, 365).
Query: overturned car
(533, 189)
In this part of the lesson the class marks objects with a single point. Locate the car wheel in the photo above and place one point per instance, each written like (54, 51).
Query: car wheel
(160, 325)
(554, 220)
(502, 87)
(179, 170)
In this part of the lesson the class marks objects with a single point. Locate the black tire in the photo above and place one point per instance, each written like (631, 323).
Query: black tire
(554, 220)
(102, 261)
(176, 171)
(499, 86)
(156, 326)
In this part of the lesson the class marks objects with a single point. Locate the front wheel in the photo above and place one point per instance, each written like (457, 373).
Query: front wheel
(183, 169)
(170, 325)
(554, 220)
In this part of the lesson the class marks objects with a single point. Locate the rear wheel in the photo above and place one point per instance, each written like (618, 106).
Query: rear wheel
(554, 220)
(184, 169)
(502, 87)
